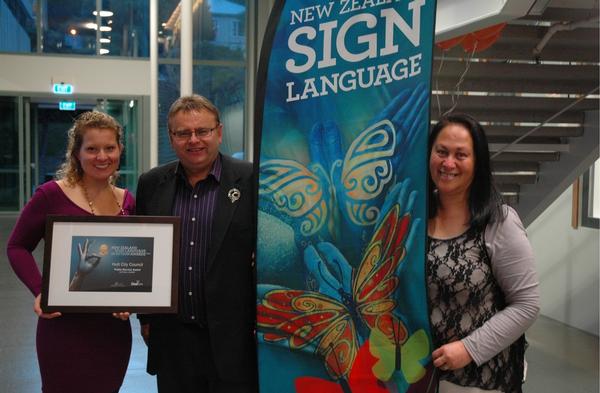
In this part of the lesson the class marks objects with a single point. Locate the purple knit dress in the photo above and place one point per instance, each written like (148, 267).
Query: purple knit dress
(76, 352)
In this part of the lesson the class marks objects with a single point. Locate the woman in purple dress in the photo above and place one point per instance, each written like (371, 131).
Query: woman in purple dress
(77, 352)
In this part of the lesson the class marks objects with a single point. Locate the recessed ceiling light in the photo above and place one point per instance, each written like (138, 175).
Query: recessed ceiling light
(104, 14)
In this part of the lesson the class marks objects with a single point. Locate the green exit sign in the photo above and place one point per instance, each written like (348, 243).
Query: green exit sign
(62, 88)
(67, 105)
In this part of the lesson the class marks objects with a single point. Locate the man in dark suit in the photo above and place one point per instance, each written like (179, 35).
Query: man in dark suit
(209, 346)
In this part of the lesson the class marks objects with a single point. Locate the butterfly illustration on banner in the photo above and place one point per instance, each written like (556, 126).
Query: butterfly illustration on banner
(337, 196)
(344, 307)
(360, 379)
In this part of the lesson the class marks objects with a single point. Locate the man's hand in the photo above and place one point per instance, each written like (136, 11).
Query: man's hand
(145, 332)
(37, 308)
(451, 356)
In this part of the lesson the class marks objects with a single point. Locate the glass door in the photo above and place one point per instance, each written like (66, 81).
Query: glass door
(49, 127)
(33, 141)
(127, 114)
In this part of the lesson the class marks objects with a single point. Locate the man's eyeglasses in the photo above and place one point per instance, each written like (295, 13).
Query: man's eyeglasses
(199, 132)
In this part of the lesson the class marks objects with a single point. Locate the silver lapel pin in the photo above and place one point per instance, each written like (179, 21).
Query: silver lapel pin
(234, 194)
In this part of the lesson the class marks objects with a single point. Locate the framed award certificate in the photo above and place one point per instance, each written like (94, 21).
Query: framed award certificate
(111, 264)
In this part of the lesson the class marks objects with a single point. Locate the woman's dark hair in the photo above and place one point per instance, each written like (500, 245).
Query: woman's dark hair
(485, 202)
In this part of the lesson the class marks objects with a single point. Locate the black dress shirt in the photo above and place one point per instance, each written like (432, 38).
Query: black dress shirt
(196, 206)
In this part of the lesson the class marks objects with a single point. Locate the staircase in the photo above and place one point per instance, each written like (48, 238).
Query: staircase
(511, 89)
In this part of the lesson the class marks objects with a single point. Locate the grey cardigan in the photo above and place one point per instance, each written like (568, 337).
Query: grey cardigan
(513, 266)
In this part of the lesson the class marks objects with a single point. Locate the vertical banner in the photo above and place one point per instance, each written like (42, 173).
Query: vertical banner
(341, 138)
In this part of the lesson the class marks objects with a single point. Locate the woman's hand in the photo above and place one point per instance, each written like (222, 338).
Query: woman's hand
(38, 309)
(451, 356)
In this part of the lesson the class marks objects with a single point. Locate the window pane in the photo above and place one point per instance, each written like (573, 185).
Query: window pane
(219, 29)
(168, 91)
(9, 155)
(225, 87)
(72, 27)
(17, 26)
(65, 29)
(125, 112)
(168, 34)
(69, 26)
(49, 139)
(130, 27)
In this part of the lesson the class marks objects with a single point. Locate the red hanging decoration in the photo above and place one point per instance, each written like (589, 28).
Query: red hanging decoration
(476, 41)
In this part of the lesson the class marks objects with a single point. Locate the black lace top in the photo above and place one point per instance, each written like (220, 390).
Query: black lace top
(463, 295)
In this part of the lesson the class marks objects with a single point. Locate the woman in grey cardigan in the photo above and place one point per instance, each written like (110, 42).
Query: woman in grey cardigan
(482, 285)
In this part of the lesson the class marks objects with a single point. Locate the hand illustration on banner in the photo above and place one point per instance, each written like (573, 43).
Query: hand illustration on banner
(334, 316)
(342, 123)
(343, 190)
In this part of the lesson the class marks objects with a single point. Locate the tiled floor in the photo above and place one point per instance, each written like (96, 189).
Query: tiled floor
(561, 359)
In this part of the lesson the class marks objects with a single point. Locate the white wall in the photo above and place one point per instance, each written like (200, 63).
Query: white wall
(98, 76)
(567, 263)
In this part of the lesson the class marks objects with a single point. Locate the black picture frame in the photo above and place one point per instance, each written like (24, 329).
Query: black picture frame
(99, 264)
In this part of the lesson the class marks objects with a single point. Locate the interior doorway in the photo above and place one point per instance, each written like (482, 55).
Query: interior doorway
(33, 140)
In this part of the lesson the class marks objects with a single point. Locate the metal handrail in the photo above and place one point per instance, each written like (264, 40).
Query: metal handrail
(519, 139)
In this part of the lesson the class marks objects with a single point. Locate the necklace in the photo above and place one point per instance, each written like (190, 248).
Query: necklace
(91, 203)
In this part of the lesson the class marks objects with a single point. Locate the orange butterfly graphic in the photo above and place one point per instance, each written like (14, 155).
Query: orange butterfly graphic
(330, 322)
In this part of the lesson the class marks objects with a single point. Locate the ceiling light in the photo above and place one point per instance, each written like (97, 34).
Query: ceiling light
(93, 26)
(105, 40)
(104, 14)
(73, 32)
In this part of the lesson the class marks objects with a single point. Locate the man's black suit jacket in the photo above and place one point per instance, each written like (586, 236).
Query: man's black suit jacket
(230, 278)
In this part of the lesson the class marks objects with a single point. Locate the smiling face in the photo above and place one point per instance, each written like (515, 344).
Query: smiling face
(197, 154)
(452, 161)
(99, 154)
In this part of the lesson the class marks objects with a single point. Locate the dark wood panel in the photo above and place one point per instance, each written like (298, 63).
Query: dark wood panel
(467, 103)
(501, 166)
(510, 51)
(527, 84)
(529, 139)
(566, 14)
(533, 157)
(516, 179)
(515, 71)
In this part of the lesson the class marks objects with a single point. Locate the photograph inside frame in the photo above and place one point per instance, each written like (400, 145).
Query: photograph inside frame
(111, 263)
(108, 264)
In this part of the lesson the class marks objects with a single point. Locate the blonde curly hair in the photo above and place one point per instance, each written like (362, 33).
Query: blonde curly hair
(70, 170)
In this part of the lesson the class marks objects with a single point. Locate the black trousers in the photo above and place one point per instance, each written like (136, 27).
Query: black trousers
(183, 360)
